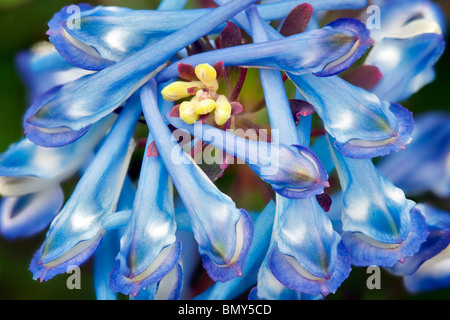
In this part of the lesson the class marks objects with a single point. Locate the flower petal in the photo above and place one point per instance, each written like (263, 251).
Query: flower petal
(26, 167)
(365, 252)
(144, 256)
(76, 232)
(423, 166)
(438, 224)
(362, 125)
(309, 255)
(27, 215)
(376, 215)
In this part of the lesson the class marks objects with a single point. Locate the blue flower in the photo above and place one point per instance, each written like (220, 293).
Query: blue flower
(427, 270)
(110, 34)
(293, 171)
(75, 106)
(90, 93)
(407, 47)
(149, 248)
(222, 231)
(424, 165)
(306, 255)
(330, 50)
(380, 225)
(77, 230)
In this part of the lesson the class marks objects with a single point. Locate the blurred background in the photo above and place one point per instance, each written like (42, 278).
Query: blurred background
(23, 23)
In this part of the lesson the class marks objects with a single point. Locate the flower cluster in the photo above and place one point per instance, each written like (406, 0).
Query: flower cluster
(101, 91)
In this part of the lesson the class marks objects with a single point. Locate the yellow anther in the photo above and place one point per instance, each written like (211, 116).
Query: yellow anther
(205, 106)
(207, 75)
(179, 89)
(222, 112)
(187, 112)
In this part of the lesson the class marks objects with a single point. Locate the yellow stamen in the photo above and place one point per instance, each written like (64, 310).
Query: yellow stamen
(205, 106)
(179, 89)
(207, 75)
(187, 112)
(222, 112)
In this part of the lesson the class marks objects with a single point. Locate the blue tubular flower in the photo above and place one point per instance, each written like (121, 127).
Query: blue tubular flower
(269, 288)
(149, 249)
(260, 244)
(26, 168)
(398, 14)
(407, 47)
(293, 171)
(222, 231)
(306, 255)
(424, 165)
(104, 257)
(42, 68)
(434, 249)
(76, 232)
(168, 288)
(330, 50)
(309, 256)
(27, 215)
(362, 125)
(380, 226)
(428, 269)
(109, 34)
(80, 103)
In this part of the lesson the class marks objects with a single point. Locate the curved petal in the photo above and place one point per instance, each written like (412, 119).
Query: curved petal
(26, 167)
(257, 251)
(405, 64)
(160, 266)
(76, 232)
(438, 224)
(359, 47)
(376, 215)
(362, 125)
(286, 270)
(269, 288)
(309, 255)
(168, 288)
(144, 256)
(365, 251)
(27, 215)
(396, 14)
(42, 68)
(423, 166)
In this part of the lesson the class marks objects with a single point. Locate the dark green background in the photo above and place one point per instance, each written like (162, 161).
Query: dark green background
(23, 23)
